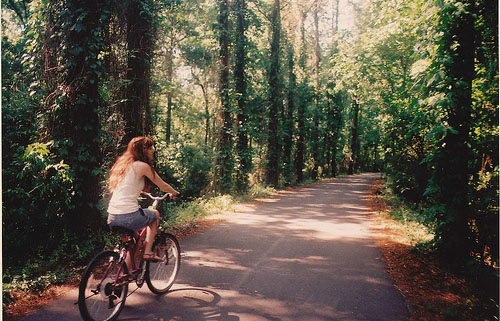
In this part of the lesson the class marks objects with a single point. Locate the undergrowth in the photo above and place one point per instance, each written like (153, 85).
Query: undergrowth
(417, 228)
(418, 231)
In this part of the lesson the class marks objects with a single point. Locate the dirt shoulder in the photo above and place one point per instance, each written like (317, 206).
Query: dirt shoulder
(432, 292)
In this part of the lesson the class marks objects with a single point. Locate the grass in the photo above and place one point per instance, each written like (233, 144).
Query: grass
(189, 213)
(406, 221)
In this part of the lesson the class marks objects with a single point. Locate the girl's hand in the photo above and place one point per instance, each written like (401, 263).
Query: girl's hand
(174, 194)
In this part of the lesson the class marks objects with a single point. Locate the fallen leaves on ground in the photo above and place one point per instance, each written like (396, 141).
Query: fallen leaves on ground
(432, 292)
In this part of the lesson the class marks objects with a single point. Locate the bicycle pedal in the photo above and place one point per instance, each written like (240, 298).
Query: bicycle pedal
(111, 303)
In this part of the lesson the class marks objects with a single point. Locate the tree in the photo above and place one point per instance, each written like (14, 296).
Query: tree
(303, 100)
(242, 148)
(225, 162)
(333, 124)
(276, 103)
(174, 27)
(288, 122)
(315, 130)
(354, 159)
(75, 113)
(484, 137)
(451, 175)
(137, 111)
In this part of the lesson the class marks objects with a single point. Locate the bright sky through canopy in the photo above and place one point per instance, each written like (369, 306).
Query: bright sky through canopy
(346, 15)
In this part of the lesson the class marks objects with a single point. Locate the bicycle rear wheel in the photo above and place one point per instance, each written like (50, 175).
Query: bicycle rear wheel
(98, 298)
(160, 276)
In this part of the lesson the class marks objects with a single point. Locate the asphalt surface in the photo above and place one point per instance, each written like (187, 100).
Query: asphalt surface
(307, 254)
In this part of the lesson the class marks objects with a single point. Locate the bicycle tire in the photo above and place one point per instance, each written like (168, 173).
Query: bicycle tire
(160, 276)
(98, 300)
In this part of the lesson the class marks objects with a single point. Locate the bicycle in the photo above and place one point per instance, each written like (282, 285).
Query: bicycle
(103, 288)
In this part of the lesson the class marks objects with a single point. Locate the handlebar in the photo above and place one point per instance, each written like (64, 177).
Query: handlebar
(156, 199)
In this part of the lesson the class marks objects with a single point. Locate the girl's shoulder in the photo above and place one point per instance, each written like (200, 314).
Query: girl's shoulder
(141, 167)
(139, 164)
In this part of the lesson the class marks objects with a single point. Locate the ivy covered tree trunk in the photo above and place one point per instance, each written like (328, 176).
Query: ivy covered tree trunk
(225, 162)
(137, 113)
(451, 177)
(288, 121)
(242, 148)
(353, 162)
(273, 144)
(302, 101)
(315, 130)
(334, 123)
(75, 128)
(170, 71)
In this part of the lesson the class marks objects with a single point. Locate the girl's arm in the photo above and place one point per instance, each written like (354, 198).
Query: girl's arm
(144, 169)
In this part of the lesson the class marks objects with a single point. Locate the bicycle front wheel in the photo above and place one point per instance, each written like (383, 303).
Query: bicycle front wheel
(100, 297)
(161, 275)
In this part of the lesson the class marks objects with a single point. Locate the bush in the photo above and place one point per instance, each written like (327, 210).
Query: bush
(34, 208)
(186, 167)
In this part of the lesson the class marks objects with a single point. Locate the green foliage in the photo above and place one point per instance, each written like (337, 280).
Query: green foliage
(36, 206)
(27, 283)
(200, 208)
(416, 225)
(191, 212)
(187, 167)
(35, 220)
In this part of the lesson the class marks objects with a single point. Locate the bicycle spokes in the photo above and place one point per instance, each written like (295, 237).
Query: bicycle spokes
(101, 294)
(162, 274)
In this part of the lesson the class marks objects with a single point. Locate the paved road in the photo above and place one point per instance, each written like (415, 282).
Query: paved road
(304, 255)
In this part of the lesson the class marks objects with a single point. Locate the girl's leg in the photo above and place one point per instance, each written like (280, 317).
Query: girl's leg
(128, 261)
(151, 233)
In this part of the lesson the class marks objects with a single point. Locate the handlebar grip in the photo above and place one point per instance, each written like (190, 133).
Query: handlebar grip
(156, 197)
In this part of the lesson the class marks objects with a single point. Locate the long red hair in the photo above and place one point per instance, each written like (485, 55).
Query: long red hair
(135, 152)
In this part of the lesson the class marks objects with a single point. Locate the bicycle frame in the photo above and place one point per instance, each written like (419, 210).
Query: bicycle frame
(133, 251)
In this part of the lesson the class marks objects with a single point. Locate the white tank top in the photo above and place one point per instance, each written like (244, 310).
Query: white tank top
(124, 199)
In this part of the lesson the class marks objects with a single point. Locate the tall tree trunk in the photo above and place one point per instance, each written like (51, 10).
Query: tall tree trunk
(224, 167)
(288, 122)
(273, 151)
(170, 72)
(334, 123)
(242, 148)
(301, 108)
(452, 172)
(76, 129)
(315, 136)
(335, 13)
(207, 113)
(353, 162)
(139, 40)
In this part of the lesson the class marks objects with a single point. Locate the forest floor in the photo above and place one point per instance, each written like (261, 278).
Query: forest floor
(431, 292)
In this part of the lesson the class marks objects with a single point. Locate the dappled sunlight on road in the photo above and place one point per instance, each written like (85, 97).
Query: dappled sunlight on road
(214, 258)
(329, 230)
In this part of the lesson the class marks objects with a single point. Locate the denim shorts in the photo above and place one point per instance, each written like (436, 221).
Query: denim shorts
(133, 221)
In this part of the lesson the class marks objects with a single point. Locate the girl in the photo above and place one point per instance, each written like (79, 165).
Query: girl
(131, 173)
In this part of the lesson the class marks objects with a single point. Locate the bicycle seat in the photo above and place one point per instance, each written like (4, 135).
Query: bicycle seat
(123, 231)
